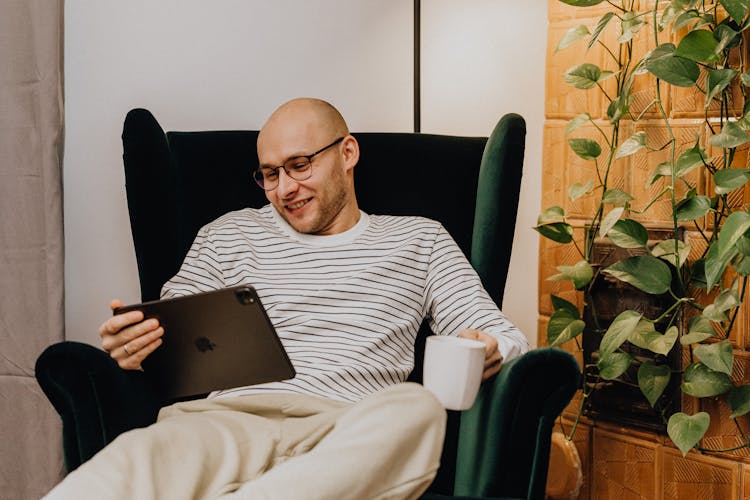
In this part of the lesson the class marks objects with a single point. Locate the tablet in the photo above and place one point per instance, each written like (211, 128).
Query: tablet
(213, 340)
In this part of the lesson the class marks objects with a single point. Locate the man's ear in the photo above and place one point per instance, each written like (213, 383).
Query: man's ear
(350, 151)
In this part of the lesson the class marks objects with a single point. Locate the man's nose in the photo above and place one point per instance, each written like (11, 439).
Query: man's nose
(287, 185)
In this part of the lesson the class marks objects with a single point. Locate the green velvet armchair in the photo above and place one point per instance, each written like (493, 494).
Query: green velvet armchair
(178, 181)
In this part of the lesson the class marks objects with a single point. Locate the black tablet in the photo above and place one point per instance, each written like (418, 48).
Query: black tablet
(213, 340)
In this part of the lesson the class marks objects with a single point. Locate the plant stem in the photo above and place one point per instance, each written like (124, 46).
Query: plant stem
(737, 309)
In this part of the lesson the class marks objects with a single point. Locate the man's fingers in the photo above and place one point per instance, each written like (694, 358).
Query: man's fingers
(115, 303)
(133, 362)
(493, 358)
(117, 323)
(492, 370)
(113, 339)
(135, 346)
(492, 364)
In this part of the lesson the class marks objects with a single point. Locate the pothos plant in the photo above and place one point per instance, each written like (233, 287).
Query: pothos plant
(707, 51)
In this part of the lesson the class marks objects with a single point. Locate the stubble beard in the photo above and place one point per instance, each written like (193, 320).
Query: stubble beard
(325, 217)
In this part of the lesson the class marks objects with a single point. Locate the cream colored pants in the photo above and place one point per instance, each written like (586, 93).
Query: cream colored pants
(273, 446)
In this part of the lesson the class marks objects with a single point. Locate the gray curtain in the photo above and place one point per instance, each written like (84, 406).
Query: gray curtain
(31, 239)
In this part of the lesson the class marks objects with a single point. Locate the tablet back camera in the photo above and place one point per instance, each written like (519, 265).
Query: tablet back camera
(245, 297)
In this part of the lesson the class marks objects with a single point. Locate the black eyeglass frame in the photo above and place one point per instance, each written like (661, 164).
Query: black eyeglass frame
(260, 179)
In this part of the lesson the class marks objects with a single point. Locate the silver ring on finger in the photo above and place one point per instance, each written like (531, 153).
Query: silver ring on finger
(125, 348)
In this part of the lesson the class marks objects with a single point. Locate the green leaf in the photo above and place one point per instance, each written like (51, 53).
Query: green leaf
(663, 64)
(644, 272)
(685, 18)
(661, 170)
(702, 382)
(722, 251)
(690, 209)
(609, 220)
(743, 244)
(585, 148)
(619, 107)
(616, 196)
(632, 145)
(560, 304)
(735, 226)
(580, 274)
(552, 214)
(737, 9)
(731, 136)
(698, 46)
(726, 300)
(663, 50)
(714, 314)
(618, 332)
(716, 263)
(739, 400)
(562, 328)
(572, 36)
(583, 76)
(643, 333)
(729, 179)
(582, 3)
(603, 22)
(685, 430)
(627, 233)
(699, 330)
(689, 160)
(727, 37)
(695, 337)
(653, 379)
(631, 24)
(741, 264)
(669, 15)
(614, 365)
(745, 79)
(718, 80)
(717, 356)
(577, 122)
(561, 232)
(577, 190)
(662, 344)
(646, 337)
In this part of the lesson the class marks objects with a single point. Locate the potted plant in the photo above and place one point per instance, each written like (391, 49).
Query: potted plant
(700, 289)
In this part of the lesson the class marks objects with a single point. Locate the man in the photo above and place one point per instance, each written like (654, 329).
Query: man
(347, 292)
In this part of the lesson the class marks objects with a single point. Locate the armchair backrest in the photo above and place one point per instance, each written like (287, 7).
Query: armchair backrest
(179, 181)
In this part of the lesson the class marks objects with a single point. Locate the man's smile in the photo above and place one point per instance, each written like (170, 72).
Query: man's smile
(297, 204)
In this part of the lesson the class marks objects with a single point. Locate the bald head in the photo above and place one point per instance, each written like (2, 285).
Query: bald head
(303, 117)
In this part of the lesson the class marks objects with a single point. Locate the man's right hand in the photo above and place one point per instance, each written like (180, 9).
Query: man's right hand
(128, 338)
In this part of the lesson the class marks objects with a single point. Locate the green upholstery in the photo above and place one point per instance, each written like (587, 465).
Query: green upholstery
(178, 181)
(504, 439)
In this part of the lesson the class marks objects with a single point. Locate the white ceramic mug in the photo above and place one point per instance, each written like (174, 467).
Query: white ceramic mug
(453, 370)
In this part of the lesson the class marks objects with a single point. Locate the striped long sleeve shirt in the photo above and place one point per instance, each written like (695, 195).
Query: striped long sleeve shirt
(347, 307)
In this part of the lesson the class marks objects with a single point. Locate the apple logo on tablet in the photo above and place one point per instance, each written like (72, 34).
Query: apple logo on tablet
(204, 344)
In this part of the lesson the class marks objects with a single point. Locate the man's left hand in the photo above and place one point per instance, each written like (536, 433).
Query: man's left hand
(493, 360)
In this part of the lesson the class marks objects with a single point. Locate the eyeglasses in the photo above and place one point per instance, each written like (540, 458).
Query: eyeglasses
(298, 168)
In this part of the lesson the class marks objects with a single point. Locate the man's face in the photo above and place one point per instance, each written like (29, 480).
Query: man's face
(316, 205)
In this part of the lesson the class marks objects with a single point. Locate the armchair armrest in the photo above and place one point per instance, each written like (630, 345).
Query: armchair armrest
(96, 399)
(504, 439)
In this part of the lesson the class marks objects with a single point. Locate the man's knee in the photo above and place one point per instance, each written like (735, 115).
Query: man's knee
(418, 407)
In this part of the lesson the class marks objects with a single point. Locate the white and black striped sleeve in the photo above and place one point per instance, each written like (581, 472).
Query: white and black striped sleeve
(456, 299)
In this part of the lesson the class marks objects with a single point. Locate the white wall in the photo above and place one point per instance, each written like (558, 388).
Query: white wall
(482, 59)
(226, 65)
